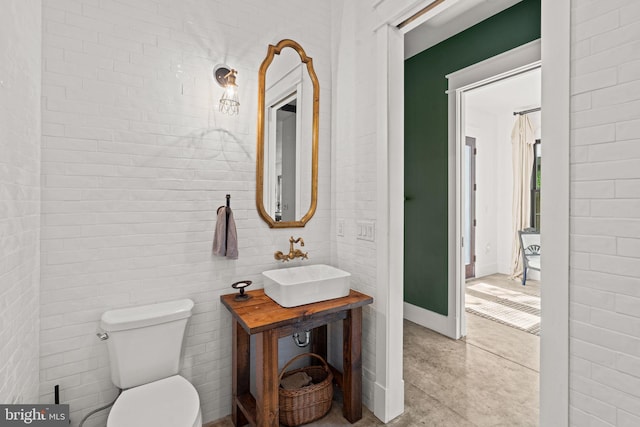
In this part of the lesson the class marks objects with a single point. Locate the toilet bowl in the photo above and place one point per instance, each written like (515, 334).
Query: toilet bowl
(144, 346)
(170, 402)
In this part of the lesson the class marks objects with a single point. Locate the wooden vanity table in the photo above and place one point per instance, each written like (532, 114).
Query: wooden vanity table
(268, 321)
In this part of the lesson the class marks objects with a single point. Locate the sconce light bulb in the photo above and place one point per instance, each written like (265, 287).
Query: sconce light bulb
(229, 103)
(231, 90)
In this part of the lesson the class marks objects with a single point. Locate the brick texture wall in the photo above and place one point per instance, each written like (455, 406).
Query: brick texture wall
(135, 160)
(605, 214)
(354, 163)
(20, 74)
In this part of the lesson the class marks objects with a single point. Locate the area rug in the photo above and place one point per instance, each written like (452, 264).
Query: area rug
(511, 308)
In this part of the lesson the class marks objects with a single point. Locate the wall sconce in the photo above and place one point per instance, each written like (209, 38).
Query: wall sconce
(226, 77)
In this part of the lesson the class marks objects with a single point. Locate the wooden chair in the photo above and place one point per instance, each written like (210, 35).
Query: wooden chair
(530, 245)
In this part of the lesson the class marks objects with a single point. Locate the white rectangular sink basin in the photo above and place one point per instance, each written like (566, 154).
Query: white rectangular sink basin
(291, 287)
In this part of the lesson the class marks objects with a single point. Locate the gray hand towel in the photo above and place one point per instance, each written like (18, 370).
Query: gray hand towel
(232, 237)
(225, 238)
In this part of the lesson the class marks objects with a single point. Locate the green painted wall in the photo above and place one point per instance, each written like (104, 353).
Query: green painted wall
(426, 143)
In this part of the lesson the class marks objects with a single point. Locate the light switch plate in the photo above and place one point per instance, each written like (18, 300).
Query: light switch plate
(340, 228)
(366, 230)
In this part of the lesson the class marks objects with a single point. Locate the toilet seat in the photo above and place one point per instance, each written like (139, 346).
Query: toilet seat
(169, 402)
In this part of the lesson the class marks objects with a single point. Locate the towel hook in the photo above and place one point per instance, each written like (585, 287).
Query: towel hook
(226, 234)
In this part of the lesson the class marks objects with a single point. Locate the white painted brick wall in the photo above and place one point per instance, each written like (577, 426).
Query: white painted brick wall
(20, 75)
(605, 214)
(136, 159)
(354, 161)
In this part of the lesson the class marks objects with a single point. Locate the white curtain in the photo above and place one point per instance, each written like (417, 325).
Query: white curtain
(522, 141)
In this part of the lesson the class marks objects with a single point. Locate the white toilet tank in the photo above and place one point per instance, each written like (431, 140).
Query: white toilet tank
(145, 342)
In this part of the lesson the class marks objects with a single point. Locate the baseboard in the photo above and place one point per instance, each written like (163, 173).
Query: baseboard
(533, 275)
(504, 269)
(389, 404)
(429, 319)
(486, 270)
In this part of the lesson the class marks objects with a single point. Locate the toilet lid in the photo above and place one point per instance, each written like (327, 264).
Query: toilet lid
(170, 402)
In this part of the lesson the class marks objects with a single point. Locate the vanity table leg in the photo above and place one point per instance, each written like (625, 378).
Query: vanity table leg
(267, 379)
(319, 343)
(240, 371)
(352, 365)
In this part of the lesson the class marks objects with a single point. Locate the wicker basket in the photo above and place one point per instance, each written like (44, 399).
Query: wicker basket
(308, 403)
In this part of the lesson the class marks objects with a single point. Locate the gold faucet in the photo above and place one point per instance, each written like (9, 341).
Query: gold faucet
(293, 254)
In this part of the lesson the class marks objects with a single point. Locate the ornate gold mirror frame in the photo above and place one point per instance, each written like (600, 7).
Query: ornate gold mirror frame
(272, 51)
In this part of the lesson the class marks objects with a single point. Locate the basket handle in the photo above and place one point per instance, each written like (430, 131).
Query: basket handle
(300, 356)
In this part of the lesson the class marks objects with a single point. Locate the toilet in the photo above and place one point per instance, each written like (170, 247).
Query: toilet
(144, 345)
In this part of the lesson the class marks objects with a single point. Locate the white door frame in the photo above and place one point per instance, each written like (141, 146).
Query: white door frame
(508, 64)
(554, 351)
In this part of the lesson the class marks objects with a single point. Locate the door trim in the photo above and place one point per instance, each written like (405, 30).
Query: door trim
(470, 269)
(513, 62)
(554, 340)
(389, 383)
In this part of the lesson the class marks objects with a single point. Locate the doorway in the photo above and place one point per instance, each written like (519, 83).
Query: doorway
(490, 113)
(555, 52)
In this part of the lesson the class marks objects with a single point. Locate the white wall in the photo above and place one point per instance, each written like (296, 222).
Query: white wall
(136, 159)
(605, 212)
(483, 126)
(489, 114)
(494, 173)
(20, 92)
(354, 159)
(504, 191)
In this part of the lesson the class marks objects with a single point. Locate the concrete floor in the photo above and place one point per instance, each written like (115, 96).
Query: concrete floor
(488, 379)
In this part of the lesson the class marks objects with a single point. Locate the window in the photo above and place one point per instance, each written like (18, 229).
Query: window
(535, 185)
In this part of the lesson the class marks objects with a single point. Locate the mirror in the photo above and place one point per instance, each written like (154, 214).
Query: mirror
(287, 149)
